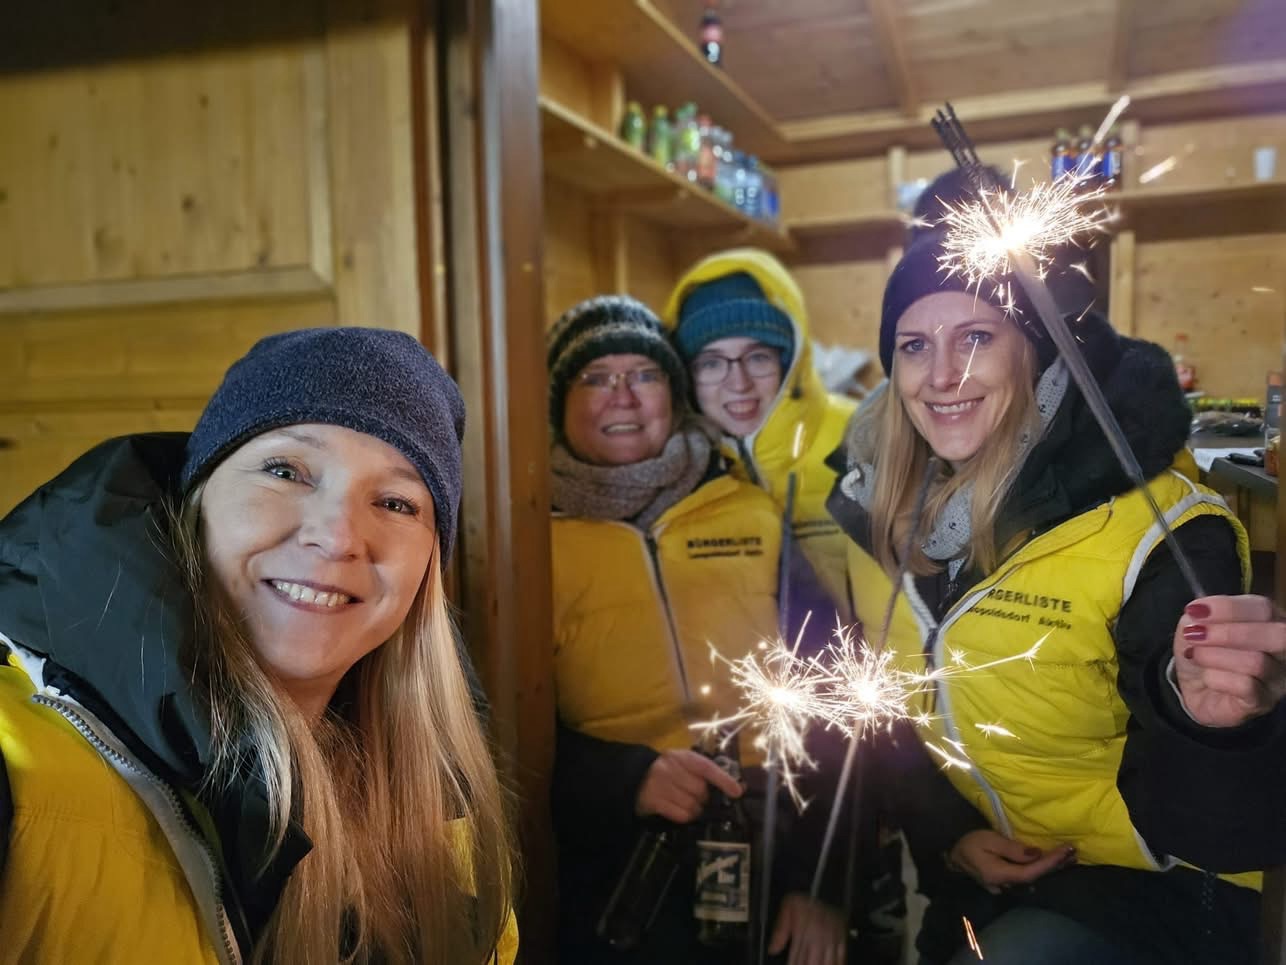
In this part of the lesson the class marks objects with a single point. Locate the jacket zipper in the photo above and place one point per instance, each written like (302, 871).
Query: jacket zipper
(747, 460)
(86, 730)
(655, 559)
(934, 641)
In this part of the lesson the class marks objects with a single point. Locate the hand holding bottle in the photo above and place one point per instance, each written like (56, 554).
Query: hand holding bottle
(677, 786)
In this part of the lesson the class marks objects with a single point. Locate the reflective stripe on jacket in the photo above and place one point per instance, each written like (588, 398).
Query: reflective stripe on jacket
(1035, 738)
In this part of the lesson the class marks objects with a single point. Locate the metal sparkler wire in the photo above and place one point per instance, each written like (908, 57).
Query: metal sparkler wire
(855, 736)
(1021, 265)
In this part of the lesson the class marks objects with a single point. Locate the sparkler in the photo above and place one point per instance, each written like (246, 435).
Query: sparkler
(1002, 236)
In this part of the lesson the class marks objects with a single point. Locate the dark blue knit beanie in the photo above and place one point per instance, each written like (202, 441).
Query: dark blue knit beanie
(370, 380)
(919, 273)
(733, 306)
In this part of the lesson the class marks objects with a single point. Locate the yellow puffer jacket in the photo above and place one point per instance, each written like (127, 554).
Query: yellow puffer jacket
(635, 613)
(1037, 739)
(803, 427)
(101, 867)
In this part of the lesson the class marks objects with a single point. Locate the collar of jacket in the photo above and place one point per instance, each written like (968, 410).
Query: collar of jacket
(1073, 468)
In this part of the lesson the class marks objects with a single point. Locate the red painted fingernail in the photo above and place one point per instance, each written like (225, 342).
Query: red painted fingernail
(1198, 611)
(1194, 632)
(1189, 653)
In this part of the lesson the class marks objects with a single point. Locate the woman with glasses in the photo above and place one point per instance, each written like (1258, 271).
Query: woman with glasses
(658, 555)
(741, 326)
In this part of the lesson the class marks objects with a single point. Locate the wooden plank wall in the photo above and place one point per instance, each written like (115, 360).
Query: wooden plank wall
(162, 209)
(1214, 271)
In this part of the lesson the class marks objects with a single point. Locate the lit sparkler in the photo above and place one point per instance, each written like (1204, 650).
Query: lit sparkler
(984, 237)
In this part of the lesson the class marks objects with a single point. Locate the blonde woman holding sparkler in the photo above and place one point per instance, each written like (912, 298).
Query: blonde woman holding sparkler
(1111, 798)
(658, 554)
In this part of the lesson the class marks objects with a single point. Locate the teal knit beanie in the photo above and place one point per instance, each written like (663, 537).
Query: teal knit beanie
(733, 306)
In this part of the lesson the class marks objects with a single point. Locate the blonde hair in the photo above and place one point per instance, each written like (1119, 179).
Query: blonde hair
(389, 877)
(901, 456)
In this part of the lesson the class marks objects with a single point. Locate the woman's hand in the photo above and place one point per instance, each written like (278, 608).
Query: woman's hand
(814, 930)
(997, 862)
(677, 785)
(1230, 659)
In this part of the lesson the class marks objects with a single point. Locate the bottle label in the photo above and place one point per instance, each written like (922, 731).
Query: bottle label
(723, 881)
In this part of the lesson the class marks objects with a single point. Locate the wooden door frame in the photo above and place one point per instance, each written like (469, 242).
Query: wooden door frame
(492, 198)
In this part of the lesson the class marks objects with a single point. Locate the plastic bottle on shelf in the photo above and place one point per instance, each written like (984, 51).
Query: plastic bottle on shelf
(740, 180)
(724, 173)
(634, 126)
(1113, 159)
(1183, 367)
(769, 204)
(707, 158)
(1064, 161)
(659, 139)
(754, 188)
(687, 142)
(712, 34)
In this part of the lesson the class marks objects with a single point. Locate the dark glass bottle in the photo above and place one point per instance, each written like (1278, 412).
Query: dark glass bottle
(722, 902)
(643, 885)
(712, 35)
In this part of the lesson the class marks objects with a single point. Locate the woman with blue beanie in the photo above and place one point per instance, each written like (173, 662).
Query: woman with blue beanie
(1117, 772)
(236, 721)
(741, 326)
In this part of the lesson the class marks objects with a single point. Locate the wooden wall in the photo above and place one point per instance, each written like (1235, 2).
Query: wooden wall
(172, 191)
(1213, 268)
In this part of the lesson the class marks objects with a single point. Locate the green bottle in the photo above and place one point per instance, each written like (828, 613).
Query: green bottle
(659, 142)
(634, 126)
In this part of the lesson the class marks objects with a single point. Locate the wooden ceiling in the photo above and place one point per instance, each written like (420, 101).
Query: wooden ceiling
(867, 59)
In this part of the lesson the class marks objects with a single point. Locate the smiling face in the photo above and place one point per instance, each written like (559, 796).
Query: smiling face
(319, 537)
(607, 421)
(958, 366)
(739, 402)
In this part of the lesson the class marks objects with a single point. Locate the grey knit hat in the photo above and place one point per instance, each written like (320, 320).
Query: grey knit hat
(371, 380)
(607, 325)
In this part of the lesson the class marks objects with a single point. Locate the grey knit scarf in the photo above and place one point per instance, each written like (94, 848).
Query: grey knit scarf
(639, 492)
(953, 528)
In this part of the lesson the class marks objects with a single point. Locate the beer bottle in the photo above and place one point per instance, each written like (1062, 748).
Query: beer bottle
(643, 885)
(722, 902)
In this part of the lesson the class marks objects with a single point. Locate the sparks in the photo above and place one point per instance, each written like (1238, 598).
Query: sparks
(984, 236)
(968, 369)
(997, 729)
(779, 701)
(973, 939)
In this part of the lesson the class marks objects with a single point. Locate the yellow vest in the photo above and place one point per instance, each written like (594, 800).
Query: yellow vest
(635, 614)
(806, 423)
(1049, 776)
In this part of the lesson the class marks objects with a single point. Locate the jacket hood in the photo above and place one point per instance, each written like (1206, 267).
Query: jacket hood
(88, 580)
(1073, 468)
(800, 407)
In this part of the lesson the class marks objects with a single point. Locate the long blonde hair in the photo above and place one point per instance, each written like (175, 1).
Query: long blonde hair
(391, 876)
(901, 456)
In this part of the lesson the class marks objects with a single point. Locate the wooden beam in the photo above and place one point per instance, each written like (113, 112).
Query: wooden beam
(889, 34)
(494, 175)
(1190, 93)
(1121, 292)
(1118, 63)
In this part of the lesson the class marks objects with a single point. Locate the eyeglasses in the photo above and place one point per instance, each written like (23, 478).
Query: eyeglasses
(711, 368)
(638, 380)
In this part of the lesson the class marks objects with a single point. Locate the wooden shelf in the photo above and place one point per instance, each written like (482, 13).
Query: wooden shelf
(587, 157)
(873, 223)
(661, 65)
(1133, 198)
